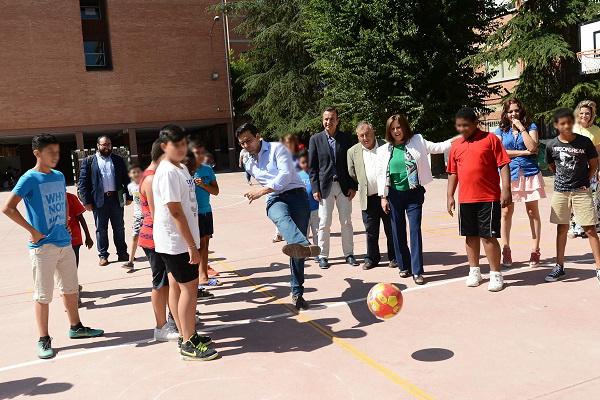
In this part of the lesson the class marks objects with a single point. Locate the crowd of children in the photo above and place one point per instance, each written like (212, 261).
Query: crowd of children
(173, 220)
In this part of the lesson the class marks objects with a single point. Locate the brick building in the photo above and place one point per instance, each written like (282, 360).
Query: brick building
(78, 68)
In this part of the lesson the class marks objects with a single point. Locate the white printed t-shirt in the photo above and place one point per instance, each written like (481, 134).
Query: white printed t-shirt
(173, 184)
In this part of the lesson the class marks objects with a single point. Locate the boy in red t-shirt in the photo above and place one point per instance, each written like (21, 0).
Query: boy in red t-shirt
(76, 210)
(473, 162)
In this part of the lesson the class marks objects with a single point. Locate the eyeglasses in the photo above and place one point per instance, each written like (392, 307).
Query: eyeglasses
(245, 142)
(105, 144)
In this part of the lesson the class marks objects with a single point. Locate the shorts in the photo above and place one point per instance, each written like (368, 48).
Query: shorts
(580, 203)
(178, 265)
(47, 261)
(479, 219)
(137, 225)
(160, 277)
(205, 223)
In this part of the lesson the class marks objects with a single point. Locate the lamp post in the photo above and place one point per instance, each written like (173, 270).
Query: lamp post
(230, 133)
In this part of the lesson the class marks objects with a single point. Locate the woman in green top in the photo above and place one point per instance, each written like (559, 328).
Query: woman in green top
(402, 172)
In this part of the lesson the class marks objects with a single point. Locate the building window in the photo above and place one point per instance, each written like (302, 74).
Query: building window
(94, 54)
(503, 72)
(90, 12)
(96, 38)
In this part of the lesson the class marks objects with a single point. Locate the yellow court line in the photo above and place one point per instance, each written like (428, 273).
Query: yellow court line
(412, 389)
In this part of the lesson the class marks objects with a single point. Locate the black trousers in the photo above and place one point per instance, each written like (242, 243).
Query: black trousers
(372, 217)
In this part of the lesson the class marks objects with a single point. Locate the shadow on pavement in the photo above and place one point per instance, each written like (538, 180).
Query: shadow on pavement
(114, 339)
(31, 387)
(432, 354)
(280, 336)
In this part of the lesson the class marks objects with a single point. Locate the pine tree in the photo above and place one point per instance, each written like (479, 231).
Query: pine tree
(543, 36)
(277, 77)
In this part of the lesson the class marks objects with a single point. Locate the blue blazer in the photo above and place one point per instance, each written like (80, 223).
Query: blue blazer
(90, 185)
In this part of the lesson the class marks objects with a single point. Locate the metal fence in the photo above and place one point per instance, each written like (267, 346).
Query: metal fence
(77, 157)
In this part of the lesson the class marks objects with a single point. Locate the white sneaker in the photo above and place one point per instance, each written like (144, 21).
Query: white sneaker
(496, 282)
(474, 278)
(165, 334)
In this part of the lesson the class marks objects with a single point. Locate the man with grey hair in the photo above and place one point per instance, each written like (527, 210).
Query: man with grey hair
(362, 166)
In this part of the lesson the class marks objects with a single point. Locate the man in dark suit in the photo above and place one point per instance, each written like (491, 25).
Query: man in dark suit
(362, 166)
(103, 181)
(332, 184)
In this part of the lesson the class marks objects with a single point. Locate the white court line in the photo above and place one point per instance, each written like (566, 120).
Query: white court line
(233, 324)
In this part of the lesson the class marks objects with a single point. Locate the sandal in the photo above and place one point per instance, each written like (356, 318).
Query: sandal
(404, 273)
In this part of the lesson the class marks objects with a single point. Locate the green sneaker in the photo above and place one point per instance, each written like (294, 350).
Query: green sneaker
(194, 350)
(45, 349)
(85, 332)
(205, 340)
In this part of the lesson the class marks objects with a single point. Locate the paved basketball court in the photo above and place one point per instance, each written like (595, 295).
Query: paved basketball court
(533, 340)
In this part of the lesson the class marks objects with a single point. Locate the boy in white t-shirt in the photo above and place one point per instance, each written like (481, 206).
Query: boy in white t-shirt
(135, 174)
(177, 239)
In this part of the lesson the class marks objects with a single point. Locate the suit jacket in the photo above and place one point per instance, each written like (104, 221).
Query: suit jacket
(356, 169)
(91, 189)
(322, 167)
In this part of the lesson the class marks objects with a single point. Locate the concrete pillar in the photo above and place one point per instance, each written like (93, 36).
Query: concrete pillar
(132, 144)
(79, 140)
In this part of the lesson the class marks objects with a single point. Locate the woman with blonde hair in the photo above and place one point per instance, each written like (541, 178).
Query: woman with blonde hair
(585, 116)
(520, 138)
(403, 170)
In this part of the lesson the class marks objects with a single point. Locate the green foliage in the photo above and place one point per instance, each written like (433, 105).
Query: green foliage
(543, 35)
(277, 85)
(380, 57)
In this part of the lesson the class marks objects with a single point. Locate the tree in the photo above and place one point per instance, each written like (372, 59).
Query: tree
(276, 75)
(379, 57)
(543, 36)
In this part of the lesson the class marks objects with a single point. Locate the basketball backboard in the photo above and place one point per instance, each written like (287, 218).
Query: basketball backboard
(589, 51)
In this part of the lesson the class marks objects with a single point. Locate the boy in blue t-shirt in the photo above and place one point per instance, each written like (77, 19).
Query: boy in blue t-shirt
(206, 184)
(45, 194)
(313, 223)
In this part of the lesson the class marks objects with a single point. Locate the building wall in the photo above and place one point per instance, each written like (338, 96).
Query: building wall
(163, 57)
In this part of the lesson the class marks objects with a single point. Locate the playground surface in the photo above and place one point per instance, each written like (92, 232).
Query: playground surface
(533, 340)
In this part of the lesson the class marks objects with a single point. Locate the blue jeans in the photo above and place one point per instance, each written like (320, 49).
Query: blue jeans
(290, 213)
(113, 212)
(408, 204)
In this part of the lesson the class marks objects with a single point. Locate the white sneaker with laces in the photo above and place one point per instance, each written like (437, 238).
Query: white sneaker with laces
(165, 334)
(474, 278)
(496, 282)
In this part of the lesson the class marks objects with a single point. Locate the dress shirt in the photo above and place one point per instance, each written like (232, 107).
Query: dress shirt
(370, 161)
(107, 171)
(273, 167)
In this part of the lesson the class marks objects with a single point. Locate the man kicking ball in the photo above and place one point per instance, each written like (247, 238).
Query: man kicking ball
(271, 165)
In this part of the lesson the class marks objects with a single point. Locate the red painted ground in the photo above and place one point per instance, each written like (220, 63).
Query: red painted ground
(531, 341)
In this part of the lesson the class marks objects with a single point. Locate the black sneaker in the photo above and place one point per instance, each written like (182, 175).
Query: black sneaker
(194, 350)
(204, 294)
(299, 302)
(557, 272)
(205, 340)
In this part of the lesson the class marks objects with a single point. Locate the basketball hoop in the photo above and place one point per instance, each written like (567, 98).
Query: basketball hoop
(590, 61)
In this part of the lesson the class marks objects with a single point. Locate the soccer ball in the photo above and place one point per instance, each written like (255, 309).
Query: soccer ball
(384, 300)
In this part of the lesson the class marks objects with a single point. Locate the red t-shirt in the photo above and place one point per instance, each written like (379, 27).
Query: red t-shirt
(75, 210)
(475, 161)
(145, 238)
